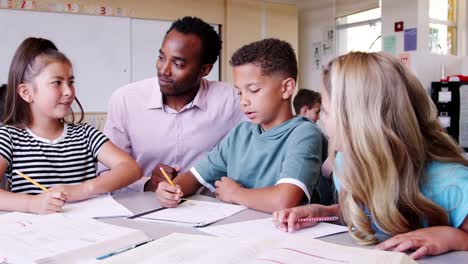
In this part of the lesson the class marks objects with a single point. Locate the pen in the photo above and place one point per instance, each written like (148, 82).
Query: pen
(121, 250)
(31, 180)
(167, 177)
(315, 219)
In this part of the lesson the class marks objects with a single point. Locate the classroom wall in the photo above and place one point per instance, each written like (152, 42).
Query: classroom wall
(311, 23)
(414, 14)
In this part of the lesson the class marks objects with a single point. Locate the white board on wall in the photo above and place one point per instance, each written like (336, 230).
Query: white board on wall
(98, 47)
(147, 37)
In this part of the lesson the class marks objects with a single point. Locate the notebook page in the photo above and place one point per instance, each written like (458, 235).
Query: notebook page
(195, 213)
(265, 227)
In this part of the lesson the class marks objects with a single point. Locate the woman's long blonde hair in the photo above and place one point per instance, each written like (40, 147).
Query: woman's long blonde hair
(388, 131)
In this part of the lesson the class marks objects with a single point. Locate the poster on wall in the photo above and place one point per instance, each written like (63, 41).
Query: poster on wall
(410, 39)
(328, 44)
(389, 44)
(317, 55)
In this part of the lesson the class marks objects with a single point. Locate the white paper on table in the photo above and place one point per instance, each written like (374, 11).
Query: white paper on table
(25, 238)
(265, 227)
(194, 213)
(184, 248)
(97, 207)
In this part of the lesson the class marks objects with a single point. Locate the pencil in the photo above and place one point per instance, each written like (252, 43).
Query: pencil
(315, 219)
(167, 177)
(31, 180)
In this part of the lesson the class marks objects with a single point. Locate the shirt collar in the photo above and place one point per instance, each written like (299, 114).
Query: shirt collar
(156, 100)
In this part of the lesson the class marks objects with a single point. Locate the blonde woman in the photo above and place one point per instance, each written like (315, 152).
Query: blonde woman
(396, 170)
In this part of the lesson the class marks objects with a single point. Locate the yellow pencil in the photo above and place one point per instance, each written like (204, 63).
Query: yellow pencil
(31, 180)
(167, 177)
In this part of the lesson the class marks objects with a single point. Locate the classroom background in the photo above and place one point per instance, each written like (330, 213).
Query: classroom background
(112, 43)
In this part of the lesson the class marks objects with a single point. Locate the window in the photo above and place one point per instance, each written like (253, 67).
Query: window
(443, 26)
(359, 32)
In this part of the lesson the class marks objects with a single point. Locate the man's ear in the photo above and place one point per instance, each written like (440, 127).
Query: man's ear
(205, 69)
(26, 92)
(288, 87)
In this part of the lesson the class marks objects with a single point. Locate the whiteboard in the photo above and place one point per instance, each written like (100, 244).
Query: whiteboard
(106, 52)
(147, 37)
(98, 47)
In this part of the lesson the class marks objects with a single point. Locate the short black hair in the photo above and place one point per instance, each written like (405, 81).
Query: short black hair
(307, 98)
(211, 43)
(272, 55)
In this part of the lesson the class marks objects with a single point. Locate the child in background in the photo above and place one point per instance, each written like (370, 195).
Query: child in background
(272, 162)
(397, 172)
(36, 140)
(308, 103)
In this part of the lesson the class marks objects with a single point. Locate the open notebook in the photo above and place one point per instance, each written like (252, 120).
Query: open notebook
(183, 248)
(192, 213)
(60, 238)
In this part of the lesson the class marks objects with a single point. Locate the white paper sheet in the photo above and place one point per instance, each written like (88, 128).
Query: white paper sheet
(265, 227)
(194, 213)
(183, 248)
(28, 237)
(97, 207)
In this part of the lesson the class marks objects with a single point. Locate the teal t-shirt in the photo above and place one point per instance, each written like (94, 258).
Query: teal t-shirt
(446, 184)
(288, 153)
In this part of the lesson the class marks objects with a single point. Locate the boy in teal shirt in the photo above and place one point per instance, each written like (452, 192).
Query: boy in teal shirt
(270, 163)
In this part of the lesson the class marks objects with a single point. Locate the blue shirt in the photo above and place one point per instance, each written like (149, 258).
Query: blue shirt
(288, 153)
(446, 184)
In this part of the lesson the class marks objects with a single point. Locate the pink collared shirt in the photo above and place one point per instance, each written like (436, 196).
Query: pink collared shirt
(152, 133)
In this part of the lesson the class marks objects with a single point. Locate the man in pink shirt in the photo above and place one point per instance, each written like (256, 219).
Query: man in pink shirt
(174, 119)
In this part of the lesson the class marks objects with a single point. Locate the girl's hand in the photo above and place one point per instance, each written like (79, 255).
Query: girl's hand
(47, 202)
(76, 192)
(287, 219)
(425, 241)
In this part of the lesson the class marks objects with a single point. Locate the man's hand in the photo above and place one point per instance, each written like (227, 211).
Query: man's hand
(157, 176)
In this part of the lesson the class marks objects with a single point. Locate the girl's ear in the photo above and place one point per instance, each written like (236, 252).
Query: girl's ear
(26, 92)
(288, 87)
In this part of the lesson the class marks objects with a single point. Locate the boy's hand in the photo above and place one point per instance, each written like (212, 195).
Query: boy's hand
(226, 189)
(287, 219)
(168, 196)
(75, 192)
(425, 241)
(47, 202)
(157, 176)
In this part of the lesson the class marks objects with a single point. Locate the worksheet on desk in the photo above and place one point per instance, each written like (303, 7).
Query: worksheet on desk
(194, 213)
(25, 238)
(265, 227)
(98, 207)
(184, 248)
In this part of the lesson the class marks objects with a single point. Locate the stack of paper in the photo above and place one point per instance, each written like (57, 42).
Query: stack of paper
(59, 238)
(183, 248)
(191, 212)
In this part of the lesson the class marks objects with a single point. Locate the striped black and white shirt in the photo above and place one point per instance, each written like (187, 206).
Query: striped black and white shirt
(69, 159)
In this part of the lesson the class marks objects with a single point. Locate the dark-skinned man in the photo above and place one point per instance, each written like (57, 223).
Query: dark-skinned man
(174, 119)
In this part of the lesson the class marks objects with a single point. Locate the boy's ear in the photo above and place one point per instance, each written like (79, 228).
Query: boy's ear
(205, 69)
(303, 110)
(26, 92)
(288, 85)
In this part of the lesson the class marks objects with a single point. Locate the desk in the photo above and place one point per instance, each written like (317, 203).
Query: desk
(141, 202)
